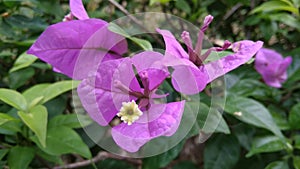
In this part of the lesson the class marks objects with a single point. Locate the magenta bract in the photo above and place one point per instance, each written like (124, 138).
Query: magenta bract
(191, 75)
(272, 66)
(116, 83)
(75, 47)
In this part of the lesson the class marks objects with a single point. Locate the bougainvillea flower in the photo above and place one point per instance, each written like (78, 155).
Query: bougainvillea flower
(191, 74)
(117, 91)
(272, 66)
(75, 47)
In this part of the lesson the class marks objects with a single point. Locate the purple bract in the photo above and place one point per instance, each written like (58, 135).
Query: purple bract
(272, 66)
(76, 47)
(191, 74)
(115, 88)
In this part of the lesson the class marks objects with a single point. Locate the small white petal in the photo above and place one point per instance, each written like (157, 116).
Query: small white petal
(129, 112)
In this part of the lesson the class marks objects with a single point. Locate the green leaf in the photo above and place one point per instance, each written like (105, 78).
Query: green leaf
(286, 19)
(162, 160)
(5, 118)
(36, 120)
(24, 60)
(117, 29)
(6, 31)
(63, 140)
(3, 152)
(22, 22)
(251, 112)
(11, 127)
(279, 117)
(159, 1)
(70, 120)
(210, 120)
(49, 91)
(56, 106)
(296, 3)
(294, 68)
(13, 98)
(183, 5)
(221, 151)
(48, 157)
(51, 7)
(251, 87)
(144, 44)
(244, 133)
(35, 91)
(278, 165)
(287, 2)
(252, 20)
(36, 102)
(26, 42)
(20, 157)
(19, 78)
(266, 144)
(275, 5)
(10, 3)
(91, 140)
(294, 116)
(58, 88)
(296, 162)
(268, 29)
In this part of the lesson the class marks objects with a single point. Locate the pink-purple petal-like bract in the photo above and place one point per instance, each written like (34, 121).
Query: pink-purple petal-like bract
(272, 66)
(60, 44)
(173, 47)
(102, 97)
(188, 78)
(98, 94)
(76, 47)
(243, 51)
(132, 137)
(68, 46)
(77, 9)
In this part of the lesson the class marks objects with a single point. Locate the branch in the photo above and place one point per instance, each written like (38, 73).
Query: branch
(122, 9)
(100, 156)
(232, 10)
(229, 13)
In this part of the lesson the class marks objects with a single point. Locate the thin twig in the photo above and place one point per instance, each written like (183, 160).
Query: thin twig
(101, 156)
(229, 13)
(232, 10)
(134, 19)
(134, 161)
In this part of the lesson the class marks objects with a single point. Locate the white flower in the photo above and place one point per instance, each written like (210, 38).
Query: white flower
(129, 112)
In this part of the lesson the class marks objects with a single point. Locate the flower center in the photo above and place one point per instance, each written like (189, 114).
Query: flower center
(195, 54)
(126, 90)
(129, 112)
(145, 81)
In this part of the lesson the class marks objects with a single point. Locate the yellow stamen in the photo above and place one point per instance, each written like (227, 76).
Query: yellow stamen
(129, 112)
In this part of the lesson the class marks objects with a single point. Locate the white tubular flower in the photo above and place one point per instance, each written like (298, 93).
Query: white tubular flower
(129, 112)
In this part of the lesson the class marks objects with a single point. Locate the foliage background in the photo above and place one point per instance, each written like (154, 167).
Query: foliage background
(265, 136)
